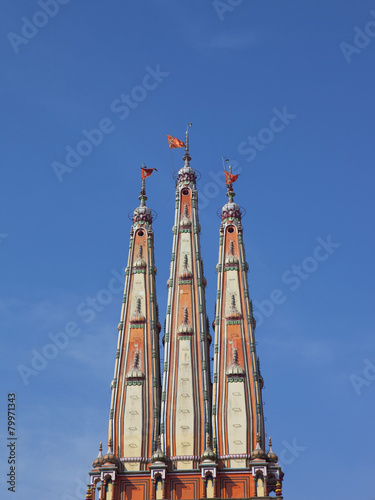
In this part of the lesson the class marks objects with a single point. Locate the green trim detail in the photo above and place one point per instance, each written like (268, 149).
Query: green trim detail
(232, 267)
(140, 270)
(185, 337)
(231, 378)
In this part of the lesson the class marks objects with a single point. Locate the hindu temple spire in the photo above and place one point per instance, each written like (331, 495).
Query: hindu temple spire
(186, 390)
(186, 437)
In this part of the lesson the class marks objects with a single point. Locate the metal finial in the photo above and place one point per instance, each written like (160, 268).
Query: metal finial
(230, 193)
(187, 137)
(187, 157)
(142, 195)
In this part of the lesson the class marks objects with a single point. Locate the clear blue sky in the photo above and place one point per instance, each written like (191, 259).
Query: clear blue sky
(231, 74)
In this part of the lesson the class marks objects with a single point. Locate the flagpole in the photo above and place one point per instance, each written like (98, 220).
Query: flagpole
(187, 138)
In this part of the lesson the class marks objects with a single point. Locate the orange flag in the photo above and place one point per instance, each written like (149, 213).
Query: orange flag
(229, 178)
(173, 142)
(147, 171)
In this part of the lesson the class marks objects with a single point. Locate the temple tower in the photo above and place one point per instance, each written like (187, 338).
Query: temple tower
(237, 416)
(184, 438)
(186, 392)
(135, 399)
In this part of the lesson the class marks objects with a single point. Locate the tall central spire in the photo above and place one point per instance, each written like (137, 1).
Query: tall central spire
(185, 416)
